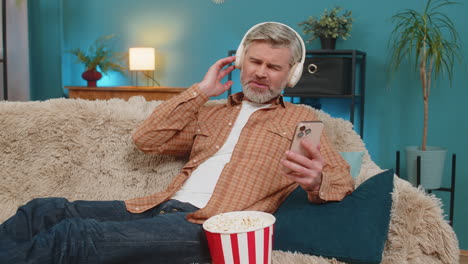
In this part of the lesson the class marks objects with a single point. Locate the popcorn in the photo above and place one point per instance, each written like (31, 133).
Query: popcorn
(240, 237)
(236, 222)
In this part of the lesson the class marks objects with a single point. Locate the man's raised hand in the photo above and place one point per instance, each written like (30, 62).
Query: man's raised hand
(211, 84)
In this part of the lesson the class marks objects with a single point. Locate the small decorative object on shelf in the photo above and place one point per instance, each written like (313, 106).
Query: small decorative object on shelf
(328, 27)
(92, 76)
(99, 56)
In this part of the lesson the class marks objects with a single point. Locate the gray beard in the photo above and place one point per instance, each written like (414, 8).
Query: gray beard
(259, 98)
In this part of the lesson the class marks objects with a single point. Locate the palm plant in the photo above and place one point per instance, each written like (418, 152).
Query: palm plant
(429, 40)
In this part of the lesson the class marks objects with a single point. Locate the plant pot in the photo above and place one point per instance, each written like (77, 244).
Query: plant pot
(92, 76)
(432, 165)
(328, 43)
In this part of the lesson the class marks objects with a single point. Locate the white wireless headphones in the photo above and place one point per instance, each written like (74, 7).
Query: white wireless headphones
(296, 71)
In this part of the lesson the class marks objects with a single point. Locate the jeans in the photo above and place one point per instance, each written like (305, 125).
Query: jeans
(54, 230)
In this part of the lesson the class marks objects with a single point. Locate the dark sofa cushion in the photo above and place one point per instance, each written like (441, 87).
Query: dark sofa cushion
(353, 230)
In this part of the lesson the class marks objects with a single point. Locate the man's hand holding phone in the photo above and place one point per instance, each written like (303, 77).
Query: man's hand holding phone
(304, 163)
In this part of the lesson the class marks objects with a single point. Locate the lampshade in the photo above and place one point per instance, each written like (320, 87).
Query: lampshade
(142, 59)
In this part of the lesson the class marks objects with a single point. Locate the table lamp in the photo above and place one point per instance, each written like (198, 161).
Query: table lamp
(142, 60)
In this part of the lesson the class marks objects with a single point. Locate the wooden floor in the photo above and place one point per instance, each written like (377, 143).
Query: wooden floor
(463, 260)
(464, 257)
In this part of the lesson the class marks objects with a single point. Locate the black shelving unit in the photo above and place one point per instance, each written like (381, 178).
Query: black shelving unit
(357, 95)
(357, 83)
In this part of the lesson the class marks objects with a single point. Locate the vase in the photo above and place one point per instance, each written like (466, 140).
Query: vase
(432, 165)
(328, 43)
(92, 76)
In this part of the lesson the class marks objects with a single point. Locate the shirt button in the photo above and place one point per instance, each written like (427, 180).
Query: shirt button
(322, 194)
(198, 130)
(230, 124)
(217, 146)
(194, 93)
(137, 208)
(284, 133)
(194, 160)
(238, 107)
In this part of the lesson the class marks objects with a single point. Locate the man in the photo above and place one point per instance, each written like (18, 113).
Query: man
(238, 161)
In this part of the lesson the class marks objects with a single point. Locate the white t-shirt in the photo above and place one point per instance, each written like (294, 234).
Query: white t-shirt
(199, 187)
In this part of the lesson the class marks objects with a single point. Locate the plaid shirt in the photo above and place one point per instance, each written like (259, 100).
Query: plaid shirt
(252, 179)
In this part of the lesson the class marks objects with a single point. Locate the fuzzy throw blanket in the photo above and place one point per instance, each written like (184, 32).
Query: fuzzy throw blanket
(81, 149)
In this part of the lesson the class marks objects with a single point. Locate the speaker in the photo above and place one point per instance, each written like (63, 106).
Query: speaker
(323, 76)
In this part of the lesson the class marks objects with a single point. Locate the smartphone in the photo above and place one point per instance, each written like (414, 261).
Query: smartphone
(312, 130)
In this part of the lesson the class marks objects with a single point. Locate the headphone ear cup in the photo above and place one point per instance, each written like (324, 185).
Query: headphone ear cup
(295, 75)
(238, 62)
(239, 56)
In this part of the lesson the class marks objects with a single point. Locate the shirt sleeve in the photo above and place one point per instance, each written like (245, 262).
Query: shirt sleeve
(337, 182)
(170, 129)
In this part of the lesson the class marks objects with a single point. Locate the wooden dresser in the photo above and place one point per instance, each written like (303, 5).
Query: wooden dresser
(123, 92)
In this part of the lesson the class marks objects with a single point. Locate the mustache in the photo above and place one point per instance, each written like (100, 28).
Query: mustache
(260, 81)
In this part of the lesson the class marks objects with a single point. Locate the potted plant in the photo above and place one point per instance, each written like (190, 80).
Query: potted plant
(429, 41)
(99, 56)
(328, 27)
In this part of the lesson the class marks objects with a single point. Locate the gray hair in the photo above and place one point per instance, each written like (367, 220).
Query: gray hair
(278, 36)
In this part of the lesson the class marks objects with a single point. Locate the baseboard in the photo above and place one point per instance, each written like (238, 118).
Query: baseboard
(464, 253)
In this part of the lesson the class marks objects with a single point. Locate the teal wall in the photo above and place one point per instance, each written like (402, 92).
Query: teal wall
(191, 35)
(45, 49)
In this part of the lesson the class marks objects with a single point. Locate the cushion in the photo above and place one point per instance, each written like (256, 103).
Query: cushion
(353, 230)
(354, 160)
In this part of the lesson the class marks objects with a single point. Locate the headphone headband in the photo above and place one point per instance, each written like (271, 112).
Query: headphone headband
(296, 70)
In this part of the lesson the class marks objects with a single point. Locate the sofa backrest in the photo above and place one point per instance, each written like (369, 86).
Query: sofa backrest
(82, 149)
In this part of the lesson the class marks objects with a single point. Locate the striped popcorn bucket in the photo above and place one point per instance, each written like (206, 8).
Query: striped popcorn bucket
(252, 245)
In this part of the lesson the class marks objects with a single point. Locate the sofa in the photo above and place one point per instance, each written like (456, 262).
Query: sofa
(82, 150)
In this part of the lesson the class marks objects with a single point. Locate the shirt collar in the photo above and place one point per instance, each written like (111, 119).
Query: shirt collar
(237, 98)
